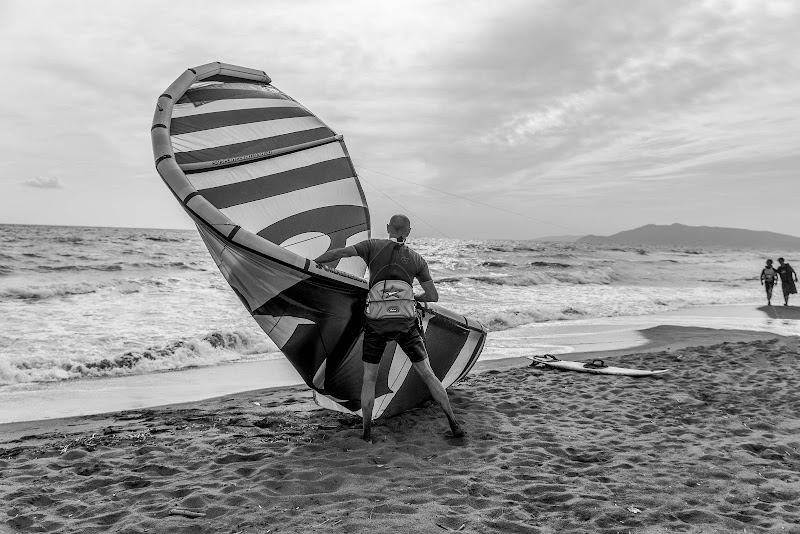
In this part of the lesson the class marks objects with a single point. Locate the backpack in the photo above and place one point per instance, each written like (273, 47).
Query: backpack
(391, 301)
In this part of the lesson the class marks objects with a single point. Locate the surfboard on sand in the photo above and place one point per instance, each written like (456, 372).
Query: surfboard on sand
(595, 366)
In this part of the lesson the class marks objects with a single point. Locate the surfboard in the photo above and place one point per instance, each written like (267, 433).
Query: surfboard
(597, 367)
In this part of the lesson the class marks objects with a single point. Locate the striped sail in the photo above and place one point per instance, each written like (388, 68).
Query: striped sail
(271, 187)
(271, 166)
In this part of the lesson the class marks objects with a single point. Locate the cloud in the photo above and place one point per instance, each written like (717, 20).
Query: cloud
(53, 182)
(552, 107)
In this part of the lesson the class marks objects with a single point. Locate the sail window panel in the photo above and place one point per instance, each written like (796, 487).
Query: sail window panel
(337, 223)
(354, 265)
(266, 167)
(241, 133)
(255, 216)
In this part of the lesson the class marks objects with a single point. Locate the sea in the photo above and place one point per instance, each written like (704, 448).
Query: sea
(92, 304)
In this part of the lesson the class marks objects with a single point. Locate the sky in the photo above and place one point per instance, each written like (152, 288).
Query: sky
(480, 120)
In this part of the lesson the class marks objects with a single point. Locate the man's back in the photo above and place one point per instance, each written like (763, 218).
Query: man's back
(389, 260)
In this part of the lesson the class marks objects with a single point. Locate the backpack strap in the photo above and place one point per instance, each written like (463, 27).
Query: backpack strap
(391, 265)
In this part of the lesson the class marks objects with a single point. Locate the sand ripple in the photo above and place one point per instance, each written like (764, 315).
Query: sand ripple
(712, 446)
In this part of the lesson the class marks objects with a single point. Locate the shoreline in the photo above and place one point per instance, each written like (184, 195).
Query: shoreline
(710, 446)
(584, 339)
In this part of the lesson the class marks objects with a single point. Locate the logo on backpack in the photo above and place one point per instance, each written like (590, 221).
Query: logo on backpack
(390, 299)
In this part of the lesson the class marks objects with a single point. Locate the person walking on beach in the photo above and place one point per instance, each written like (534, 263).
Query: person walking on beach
(391, 312)
(786, 273)
(768, 275)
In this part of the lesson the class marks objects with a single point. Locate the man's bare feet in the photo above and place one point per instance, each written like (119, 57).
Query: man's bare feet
(456, 429)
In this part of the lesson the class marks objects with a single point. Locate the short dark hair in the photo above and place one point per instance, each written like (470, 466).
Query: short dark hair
(780, 259)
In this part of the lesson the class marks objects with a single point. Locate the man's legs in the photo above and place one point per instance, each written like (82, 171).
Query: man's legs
(368, 398)
(436, 388)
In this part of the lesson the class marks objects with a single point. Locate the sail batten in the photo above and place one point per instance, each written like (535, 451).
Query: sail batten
(227, 151)
(258, 169)
(243, 133)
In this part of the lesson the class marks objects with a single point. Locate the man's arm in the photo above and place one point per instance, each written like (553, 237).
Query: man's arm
(429, 293)
(337, 254)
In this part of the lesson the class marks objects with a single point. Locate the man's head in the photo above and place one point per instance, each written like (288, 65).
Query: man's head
(780, 260)
(399, 226)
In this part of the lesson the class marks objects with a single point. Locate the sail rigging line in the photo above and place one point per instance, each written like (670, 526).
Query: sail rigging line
(404, 208)
(468, 199)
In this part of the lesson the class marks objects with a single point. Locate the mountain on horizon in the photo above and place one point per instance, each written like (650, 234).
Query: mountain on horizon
(698, 236)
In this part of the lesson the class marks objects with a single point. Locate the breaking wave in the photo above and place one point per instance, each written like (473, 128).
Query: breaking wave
(213, 349)
(36, 292)
(535, 278)
(503, 320)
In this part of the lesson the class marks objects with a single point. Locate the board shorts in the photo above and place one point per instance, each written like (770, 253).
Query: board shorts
(410, 341)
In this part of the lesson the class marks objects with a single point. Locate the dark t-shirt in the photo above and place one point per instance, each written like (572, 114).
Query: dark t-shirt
(407, 264)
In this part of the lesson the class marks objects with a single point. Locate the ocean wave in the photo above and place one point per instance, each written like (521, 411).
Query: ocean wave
(640, 251)
(48, 292)
(68, 289)
(164, 239)
(213, 349)
(582, 277)
(528, 248)
(67, 268)
(549, 264)
(72, 240)
(167, 265)
(506, 319)
(117, 266)
(690, 252)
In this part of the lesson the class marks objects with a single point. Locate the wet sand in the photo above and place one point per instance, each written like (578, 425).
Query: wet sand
(710, 446)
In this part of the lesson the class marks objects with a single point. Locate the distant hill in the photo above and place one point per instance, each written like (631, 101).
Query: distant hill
(698, 236)
(560, 238)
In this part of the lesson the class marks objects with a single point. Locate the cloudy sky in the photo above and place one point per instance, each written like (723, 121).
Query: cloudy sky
(580, 116)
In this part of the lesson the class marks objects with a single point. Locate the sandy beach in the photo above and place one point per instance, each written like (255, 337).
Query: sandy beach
(710, 446)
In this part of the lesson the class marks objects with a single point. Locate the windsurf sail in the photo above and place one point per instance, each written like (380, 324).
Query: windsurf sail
(269, 186)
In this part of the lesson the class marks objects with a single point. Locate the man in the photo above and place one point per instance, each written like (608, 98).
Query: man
(391, 259)
(768, 276)
(786, 273)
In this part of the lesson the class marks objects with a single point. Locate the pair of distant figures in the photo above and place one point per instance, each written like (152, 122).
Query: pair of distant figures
(788, 276)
